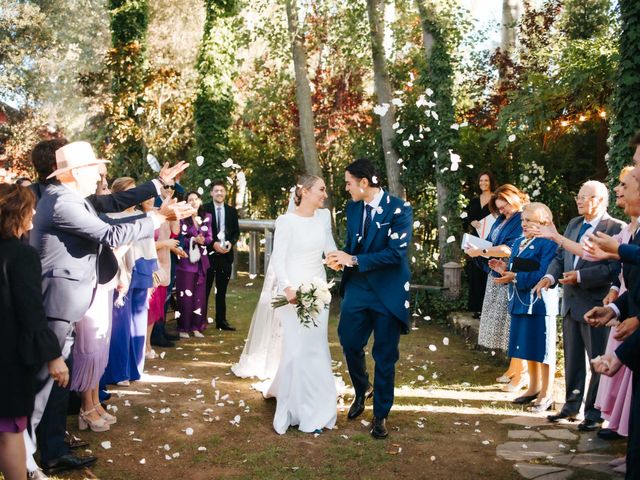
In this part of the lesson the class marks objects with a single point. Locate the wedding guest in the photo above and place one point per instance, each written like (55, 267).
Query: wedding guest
(585, 284)
(26, 342)
(477, 210)
(226, 232)
(128, 339)
(191, 272)
(507, 201)
(161, 277)
(532, 336)
(614, 394)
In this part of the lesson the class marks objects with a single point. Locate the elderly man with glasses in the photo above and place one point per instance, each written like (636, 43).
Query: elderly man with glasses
(585, 283)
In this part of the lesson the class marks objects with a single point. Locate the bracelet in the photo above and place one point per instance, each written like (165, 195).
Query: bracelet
(561, 242)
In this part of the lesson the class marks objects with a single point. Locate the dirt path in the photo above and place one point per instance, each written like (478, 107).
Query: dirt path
(190, 418)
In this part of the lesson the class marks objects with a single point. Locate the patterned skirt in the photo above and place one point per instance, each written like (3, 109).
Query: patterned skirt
(495, 320)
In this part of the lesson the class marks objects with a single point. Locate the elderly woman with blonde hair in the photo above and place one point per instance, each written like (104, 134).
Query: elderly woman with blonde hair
(533, 319)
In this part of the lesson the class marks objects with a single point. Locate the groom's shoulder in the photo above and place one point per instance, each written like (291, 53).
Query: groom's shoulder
(397, 202)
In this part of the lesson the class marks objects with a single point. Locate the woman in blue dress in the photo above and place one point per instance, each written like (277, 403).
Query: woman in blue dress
(533, 320)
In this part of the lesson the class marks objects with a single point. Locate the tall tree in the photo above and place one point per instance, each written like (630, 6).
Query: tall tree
(439, 41)
(303, 92)
(383, 90)
(214, 97)
(129, 22)
(626, 119)
(511, 10)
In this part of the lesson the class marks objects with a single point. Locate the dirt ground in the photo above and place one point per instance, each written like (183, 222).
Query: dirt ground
(192, 418)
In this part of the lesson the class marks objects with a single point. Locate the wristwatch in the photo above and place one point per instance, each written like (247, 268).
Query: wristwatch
(354, 260)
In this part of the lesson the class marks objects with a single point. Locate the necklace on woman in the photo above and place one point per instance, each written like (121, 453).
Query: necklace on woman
(526, 242)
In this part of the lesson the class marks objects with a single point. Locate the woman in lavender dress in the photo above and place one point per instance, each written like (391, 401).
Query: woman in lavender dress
(191, 272)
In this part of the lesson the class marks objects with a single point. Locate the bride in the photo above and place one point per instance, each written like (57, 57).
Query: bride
(303, 383)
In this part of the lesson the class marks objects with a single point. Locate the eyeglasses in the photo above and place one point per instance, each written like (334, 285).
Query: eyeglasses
(583, 198)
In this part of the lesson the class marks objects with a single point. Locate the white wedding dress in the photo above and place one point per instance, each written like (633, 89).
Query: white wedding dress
(303, 384)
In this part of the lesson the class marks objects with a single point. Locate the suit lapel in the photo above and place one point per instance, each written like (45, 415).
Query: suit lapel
(356, 223)
(381, 216)
(602, 226)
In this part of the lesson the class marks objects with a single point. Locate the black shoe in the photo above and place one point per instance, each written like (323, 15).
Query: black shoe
(608, 434)
(67, 462)
(378, 428)
(357, 406)
(225, 326)
(74, 442)
(561, 416)
(589, 425)
(523, 400)
(162, 342)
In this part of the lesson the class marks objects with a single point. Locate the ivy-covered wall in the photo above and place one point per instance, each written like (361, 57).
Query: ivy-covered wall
(626, 104)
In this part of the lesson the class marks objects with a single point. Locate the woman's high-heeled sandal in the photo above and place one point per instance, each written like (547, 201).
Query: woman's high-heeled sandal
(84, 422)
(107, 417)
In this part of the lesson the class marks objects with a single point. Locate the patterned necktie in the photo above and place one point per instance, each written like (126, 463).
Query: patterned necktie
(585, 226)
(218, 215)
(367, 220)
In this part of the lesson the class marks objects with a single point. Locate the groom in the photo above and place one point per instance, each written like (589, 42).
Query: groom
(375, 288)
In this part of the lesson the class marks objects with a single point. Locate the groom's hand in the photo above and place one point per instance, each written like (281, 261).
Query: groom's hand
(341, 258)
(333, 264)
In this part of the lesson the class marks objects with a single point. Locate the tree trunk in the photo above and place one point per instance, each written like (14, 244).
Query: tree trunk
(303, 93)
(511, 10)
(382, 85)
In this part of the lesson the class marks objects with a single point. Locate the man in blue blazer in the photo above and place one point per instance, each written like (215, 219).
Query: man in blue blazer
(374, 287)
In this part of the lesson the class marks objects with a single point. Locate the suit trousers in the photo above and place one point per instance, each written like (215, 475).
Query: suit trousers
(48, 421)
(580, 338)
(219, 273)
(361, 314)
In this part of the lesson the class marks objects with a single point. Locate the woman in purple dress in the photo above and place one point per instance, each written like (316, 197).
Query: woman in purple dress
(191, 272)
(26, 343)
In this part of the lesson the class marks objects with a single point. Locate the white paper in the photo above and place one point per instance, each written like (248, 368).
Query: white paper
(471, 241)
(485, 226)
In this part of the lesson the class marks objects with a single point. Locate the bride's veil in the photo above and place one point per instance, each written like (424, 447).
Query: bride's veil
(261, 354)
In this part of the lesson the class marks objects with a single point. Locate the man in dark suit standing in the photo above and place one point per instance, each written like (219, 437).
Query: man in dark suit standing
(585, 284)
(374, 288)
(226, 232)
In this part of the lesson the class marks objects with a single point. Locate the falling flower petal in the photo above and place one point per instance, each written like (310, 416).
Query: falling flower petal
(433, 348)
(451, 239)
(381, 109)
(199, 160)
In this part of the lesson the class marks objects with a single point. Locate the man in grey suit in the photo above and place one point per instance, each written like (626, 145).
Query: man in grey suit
(585, 284)
(69, 237)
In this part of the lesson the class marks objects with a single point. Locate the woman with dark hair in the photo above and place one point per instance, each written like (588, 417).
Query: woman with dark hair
(191, 272)
(474, 223)
(26, 342)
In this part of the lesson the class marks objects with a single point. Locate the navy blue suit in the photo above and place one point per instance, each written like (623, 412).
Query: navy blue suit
(376, 295)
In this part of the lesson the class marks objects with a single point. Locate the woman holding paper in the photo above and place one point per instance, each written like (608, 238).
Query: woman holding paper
(478, 222)
(495, 320)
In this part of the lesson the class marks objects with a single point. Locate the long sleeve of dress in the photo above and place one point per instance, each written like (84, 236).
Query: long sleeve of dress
(330, 243)
(281, 241)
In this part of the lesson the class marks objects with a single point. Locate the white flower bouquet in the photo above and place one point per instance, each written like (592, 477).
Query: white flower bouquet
(311, 299)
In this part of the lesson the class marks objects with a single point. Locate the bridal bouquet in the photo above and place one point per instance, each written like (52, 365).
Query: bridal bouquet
(311, 299)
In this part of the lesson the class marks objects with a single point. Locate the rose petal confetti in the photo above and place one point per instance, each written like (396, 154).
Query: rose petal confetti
(199, 160)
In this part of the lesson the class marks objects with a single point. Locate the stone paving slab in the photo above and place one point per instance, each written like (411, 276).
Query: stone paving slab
(524, 435)
(520, 451)
(531, 471)
(526, 421)
(582, 459)
(559, 434)
(590, 441)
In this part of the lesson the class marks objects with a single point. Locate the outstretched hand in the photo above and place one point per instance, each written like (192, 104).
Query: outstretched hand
(601, 246)
(173, 210)
(167, 174)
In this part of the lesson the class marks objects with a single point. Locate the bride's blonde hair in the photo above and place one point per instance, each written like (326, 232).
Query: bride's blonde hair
(304, 181)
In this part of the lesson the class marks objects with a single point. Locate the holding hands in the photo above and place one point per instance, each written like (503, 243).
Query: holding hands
(59, 371)
(338, 260)
(606, 364)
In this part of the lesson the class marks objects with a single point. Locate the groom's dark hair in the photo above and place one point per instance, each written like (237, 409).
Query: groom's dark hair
(363, 168)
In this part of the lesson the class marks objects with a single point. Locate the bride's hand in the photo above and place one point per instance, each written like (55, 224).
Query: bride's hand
(290, 293)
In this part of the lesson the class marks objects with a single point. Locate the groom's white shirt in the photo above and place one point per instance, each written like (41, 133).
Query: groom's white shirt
(374, 206)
